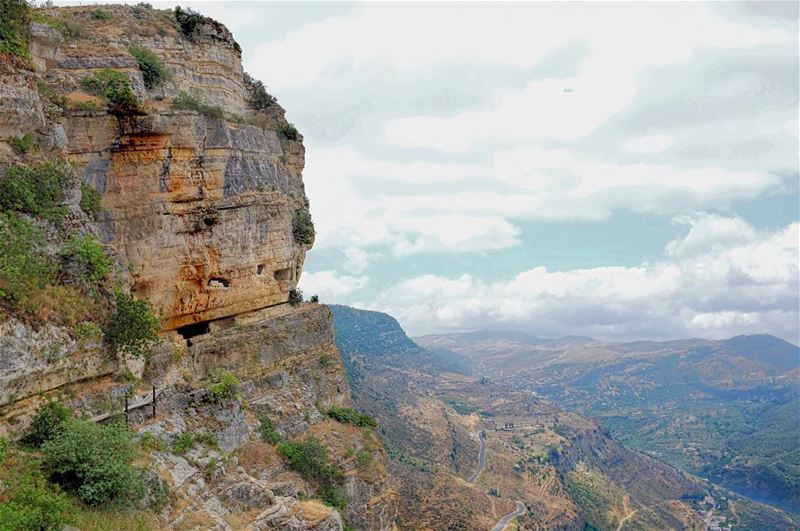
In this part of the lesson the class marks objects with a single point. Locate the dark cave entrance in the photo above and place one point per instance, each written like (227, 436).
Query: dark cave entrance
(189, 331)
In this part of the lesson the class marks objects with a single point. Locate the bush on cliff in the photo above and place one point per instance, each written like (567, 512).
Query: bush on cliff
(189, 102)
(153, 70)
(36, 190)
(260, 99)
(347, 415)
(14, 20)
(114, 86)
(303, 227)
(188, 20)
(91, 202)
(225, 388)
(46, 423)
(269, 433)
(310, 459)
(94, 462)
(31, 504)
(288, 131)
(24, 267)
(133, 327)
(85, 261)
(295, 297)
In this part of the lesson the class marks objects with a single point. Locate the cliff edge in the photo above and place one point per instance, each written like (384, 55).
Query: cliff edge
(145, 172)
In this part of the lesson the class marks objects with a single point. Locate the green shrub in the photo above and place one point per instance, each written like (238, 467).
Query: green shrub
(153, 70)
(310, 459)
(133, 327)
(151, 442)
(325, 361)
(268, 432)
(100, 14)
(32, 505)
(295, 297)
(24, 267)
(259, 97)
(94, 462)
(347, 415)
(87, 331)
(14, 20)
(91, 201)
(303, 227)
(225, 388)
(36, 190)
(363, 458)
(188, 20)
(116, 88)
(188, 102)
(3, 449)
(48, 421)
(287, 130)
(48, 93)
(22, 144)
(183, 443)
(86, 260)
(314, 299)
(87, 106)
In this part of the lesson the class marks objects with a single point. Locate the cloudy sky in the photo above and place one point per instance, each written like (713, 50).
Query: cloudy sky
(624, 170)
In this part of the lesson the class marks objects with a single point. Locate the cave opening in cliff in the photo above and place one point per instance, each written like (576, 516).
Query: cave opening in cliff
(283, 274)
(218, 282)
(189, 331)
(260, 269)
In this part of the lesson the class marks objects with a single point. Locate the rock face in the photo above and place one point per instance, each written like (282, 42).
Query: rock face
(199, 208)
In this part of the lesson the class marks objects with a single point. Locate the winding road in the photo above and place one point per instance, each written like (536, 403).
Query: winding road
(481, 458)
(510, 516)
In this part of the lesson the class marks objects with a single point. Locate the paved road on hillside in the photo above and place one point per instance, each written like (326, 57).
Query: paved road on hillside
(481, 458)
(510, 516)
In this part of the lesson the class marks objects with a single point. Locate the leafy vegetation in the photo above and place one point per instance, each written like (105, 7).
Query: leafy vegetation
(100, 14)
(269, 433)
(115, 87)
(259, 97)
(86, 260)
(288, 131)
(14, 20)
(94, 462)
(153, 70)
(46, 423)
(188, 102)
(314, 299)
(22, 144)
(31, 504)
(226, 388)
(183, 443)
(24, 267)
(91, 202)
(295, 297)
(303, 227)
(310, 459)
(188, 20)
(133, 327)
(347, 415)
(36, 190)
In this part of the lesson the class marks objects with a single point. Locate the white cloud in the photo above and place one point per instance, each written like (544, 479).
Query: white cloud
(408, 216)
(357, 260)
(330, 286)
(735, 285)
(649, 144)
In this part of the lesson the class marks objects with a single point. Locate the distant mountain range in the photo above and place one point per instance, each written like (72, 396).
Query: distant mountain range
(726, 410)
(432, 395)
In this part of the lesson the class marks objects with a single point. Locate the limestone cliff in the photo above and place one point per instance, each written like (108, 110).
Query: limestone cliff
(200, 209)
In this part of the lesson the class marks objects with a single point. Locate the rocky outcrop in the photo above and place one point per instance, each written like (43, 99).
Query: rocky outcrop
(199, 207)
